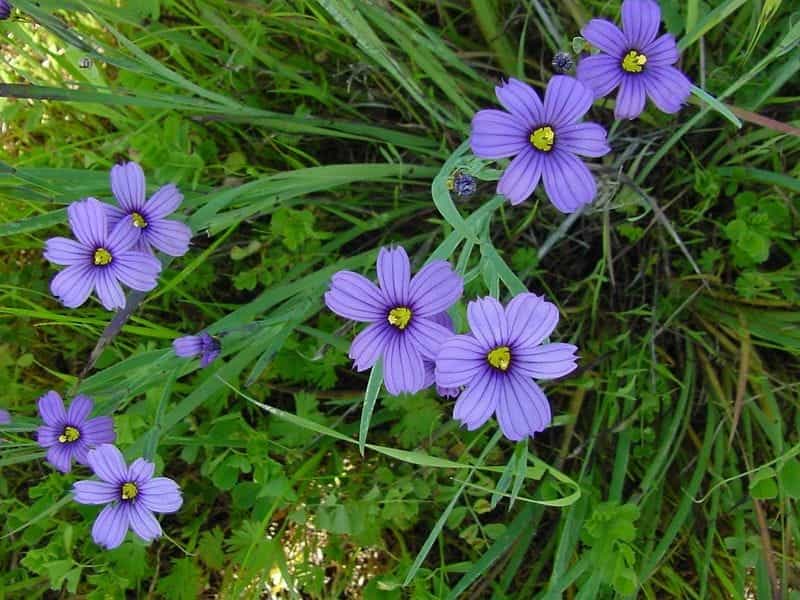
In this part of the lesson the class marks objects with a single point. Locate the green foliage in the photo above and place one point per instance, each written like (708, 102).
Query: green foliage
(610, 532)
(304, 135)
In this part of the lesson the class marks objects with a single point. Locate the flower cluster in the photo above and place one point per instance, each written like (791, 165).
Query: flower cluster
(114, 245)
(546, 137)
(490, 370)
(131, 493)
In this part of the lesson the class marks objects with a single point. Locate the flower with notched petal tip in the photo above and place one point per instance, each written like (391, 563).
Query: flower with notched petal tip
(70, 434)
(131, 495)
(148, 218)
(401, 312)
(498, 361)
(635, 59)
(100, 259)
(545, 139)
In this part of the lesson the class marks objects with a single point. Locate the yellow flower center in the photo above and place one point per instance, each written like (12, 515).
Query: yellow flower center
(543, 138)
(399, 317)
(138, 220)
(102, 256)
(634, 62)
(129, 491)
(500, 358)
(70, 435)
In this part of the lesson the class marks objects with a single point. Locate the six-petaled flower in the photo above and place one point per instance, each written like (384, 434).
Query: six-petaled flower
(99, 259)
(147, 219)
(545, 139)
(70, 434)
(402, 329)
(131, 493)
(498, 361)
(635, 59)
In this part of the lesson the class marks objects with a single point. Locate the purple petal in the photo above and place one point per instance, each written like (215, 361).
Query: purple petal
(99, 430)
(140, 471)
(208, 355)
(80, 408)
(434, 289)
(586, 139)
(531, 319)
(426, 336)
(108, 463)
(444, 320)
(567, 181)
(73, 285)
(394, 275)
(95, 492)
(403, 370)
(144, 523)
(80, 451)
(662, 52)
(630, 98)
(160, 494)
(521, 100)
(487, 320)
(478, 401)
(565, 101)
(111, 526)
(640, 22)
(601, 72)
(63, 251)
(87, 219)
(523, 409)
(124, 236)
(355, 297)
(667, 87)
(164, 202)
(114, 214)
(5, 417)
(548, 361)
(128, 185)
(188, 346)
(459, 359)
(47, 436)
(51, 410)
(521, 176)
(108, 289)
(497, 134)
(606, 36)
(60, 456)
(369, 345)
(170, 237)
(137, 270)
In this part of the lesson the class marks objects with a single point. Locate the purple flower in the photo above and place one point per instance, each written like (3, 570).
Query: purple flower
(498, 361)
(147, 218)
(131, 493)
(430, 366)
(5, 9)
(203, 345)
(5, 417)
(69, 434)
(99, 260)
(403, 330)
(636, 59)
(545, 140)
